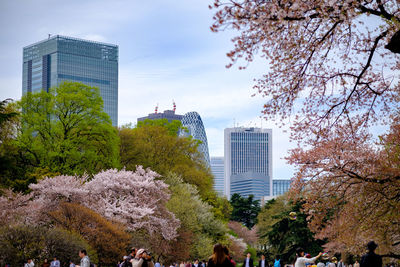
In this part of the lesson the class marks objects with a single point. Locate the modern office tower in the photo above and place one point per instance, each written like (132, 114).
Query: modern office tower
(217, 169)
(167, 114)
(59, 58)
(192, 121)
(280, 186)
(248, 162)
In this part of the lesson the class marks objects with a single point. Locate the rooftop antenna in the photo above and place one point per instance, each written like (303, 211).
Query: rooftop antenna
(156, 109)
(234, 123)
(174, 105)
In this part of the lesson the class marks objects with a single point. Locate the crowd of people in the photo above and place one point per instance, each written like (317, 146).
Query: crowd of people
(85, 261)
(222, 258)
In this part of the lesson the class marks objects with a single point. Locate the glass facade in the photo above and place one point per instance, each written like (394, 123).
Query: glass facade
(192, 121)
(248, 162)
(217, 169)
(280, 186)
(59, 58)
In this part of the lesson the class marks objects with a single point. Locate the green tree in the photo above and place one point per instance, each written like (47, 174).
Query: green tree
(174, 127)
(18, 243)
(13, 163)
(268, 215)
(66, 130)
(196, 216)
(288, 233)
(156, 145)
(245, 210)
(5, 113)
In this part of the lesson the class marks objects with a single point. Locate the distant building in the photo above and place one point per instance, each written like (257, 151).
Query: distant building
(248, 162)
(167, 114)
(280, 186)
(59, 58)
(192, 121)
(217, 169)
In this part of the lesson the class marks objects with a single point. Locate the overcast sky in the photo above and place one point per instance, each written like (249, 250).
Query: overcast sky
(166, 52)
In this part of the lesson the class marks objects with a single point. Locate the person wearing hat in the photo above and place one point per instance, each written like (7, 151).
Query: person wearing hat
(301, 260)
(138, 260)
(370, 259)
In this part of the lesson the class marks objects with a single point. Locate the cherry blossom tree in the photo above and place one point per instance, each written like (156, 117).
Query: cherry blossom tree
(135, 199)
(333, 72)
(248, 236)
(329, 61)
(351, 190)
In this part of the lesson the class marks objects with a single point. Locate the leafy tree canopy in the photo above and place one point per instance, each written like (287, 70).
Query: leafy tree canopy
(152, 145)
(287, 233)
(66, 130)
(245, 210)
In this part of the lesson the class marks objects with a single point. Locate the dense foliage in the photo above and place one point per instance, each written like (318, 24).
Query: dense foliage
(245, 210)
(282, 234)
(18, 243)
(63, 131)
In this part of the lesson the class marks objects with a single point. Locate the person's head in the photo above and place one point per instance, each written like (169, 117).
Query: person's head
(133, 251)
(277, 257)
(29, 260)
(300, 252)
(263, 257)
(82, 253)
(218, 256)
(45, 260)
(226, 251)
(139, 253)
(371, 246)
(55, 258)
(196, 261)
(248, 255)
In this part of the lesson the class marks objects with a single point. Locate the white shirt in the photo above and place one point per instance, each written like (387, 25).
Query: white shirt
(321, 264)
(262, 263)
(247, 262)
(301, 262)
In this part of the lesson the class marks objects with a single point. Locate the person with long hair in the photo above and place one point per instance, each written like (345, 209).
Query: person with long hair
(219, 258)
(301, 261)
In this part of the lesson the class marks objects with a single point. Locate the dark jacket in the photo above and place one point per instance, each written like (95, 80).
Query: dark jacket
(371, 259)
(250, 262)
(266, 263)
(226, 263)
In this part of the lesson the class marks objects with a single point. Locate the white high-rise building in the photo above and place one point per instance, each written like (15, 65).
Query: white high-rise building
(217, 169)
(248, 162)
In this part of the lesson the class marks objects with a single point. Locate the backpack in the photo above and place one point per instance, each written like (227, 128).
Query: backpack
(277, 263)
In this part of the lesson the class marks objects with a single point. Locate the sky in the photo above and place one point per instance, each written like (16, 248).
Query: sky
(167, 53)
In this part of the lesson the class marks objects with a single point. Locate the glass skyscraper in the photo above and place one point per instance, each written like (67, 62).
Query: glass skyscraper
(280, 186)
(59, 58)
(217, 169)
(248, 162)
(192, 121)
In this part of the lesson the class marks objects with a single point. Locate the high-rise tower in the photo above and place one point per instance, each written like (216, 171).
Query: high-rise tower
(59, 58)
(248, 162)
